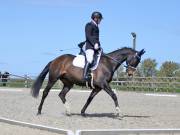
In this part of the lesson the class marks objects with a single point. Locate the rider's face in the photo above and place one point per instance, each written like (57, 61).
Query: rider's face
(97, 20)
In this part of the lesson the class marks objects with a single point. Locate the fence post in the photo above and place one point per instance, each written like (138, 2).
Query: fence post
(26, 81)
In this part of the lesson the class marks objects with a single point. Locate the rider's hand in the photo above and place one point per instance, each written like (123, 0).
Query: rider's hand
(96, 46)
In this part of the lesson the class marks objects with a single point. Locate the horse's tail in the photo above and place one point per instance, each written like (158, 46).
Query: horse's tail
(38, 82)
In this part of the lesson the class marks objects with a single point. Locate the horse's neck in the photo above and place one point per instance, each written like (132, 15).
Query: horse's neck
(116, 64)
(111, 63)
(119, 57)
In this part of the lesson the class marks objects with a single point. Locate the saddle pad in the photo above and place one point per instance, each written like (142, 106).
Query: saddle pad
(79, 61)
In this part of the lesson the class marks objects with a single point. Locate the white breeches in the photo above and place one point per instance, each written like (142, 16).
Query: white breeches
(89, 55)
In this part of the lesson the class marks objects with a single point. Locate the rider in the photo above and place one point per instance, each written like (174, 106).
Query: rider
(92, 40)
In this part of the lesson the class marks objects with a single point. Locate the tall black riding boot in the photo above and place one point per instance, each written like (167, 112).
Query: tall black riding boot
(86, 70)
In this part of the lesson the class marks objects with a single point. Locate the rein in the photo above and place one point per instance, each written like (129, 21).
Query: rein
(112, 58)
(126, 66)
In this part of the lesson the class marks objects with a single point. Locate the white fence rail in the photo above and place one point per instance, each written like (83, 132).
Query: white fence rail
(130, 132)
(36, 126)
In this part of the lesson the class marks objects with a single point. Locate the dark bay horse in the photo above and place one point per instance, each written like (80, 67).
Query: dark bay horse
(62, 68)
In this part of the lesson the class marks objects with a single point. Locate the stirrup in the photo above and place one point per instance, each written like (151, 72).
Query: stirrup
(87, 78)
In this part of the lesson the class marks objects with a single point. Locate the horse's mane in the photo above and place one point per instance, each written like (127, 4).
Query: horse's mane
(123, 48)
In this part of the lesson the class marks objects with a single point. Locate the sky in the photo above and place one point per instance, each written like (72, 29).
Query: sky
(33, 32)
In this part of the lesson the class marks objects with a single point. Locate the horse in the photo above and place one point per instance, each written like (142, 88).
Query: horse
(62, 68)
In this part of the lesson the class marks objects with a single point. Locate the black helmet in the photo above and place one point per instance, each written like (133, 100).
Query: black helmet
(97, 15)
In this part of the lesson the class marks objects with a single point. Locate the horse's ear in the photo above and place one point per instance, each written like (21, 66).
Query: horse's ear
(140, 53)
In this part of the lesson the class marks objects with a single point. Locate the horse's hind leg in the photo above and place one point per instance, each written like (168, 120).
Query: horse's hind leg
(45, 93)
(62, 95)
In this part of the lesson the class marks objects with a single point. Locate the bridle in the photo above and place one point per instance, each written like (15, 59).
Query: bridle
(127, 66)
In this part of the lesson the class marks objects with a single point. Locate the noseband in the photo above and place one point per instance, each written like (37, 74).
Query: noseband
(129, 66)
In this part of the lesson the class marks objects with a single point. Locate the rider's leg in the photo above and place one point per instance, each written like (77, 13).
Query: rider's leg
(89, 57)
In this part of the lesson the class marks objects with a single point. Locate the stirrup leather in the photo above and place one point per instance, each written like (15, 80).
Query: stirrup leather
(90, 81)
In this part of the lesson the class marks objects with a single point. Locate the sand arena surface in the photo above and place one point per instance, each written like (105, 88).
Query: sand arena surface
(139, 110)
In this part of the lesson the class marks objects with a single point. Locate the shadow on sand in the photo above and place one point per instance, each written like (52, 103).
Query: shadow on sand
(109, 115)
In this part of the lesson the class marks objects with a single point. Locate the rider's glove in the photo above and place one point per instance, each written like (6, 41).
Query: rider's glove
(96, 46)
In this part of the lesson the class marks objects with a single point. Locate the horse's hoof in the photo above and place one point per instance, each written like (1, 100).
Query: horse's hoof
(118, 112)
(67, 107)
(119, 115)
(68, 113)
(83, 114)
(39, 113)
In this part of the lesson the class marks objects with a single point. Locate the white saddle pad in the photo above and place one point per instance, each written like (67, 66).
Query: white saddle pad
(79, 61)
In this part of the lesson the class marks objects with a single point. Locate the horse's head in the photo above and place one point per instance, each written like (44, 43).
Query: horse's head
(131, 56)
(132, 62)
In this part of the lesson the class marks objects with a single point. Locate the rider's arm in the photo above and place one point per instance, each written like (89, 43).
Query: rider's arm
(89, 37)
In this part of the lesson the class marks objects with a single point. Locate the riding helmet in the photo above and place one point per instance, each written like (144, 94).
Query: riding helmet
(96, 14)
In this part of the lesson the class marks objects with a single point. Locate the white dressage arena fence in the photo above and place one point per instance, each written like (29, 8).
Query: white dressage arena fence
(130, 132)
(94, 132)
(35, 126)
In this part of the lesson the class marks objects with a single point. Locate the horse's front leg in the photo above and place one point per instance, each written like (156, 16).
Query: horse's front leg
(108, 89)
(90, 98)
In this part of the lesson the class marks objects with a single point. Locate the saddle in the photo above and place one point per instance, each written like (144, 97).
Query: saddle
(80, 59)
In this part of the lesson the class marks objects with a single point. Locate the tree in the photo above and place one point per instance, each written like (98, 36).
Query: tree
(147, 68)
(177, 72)
(169, 69)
